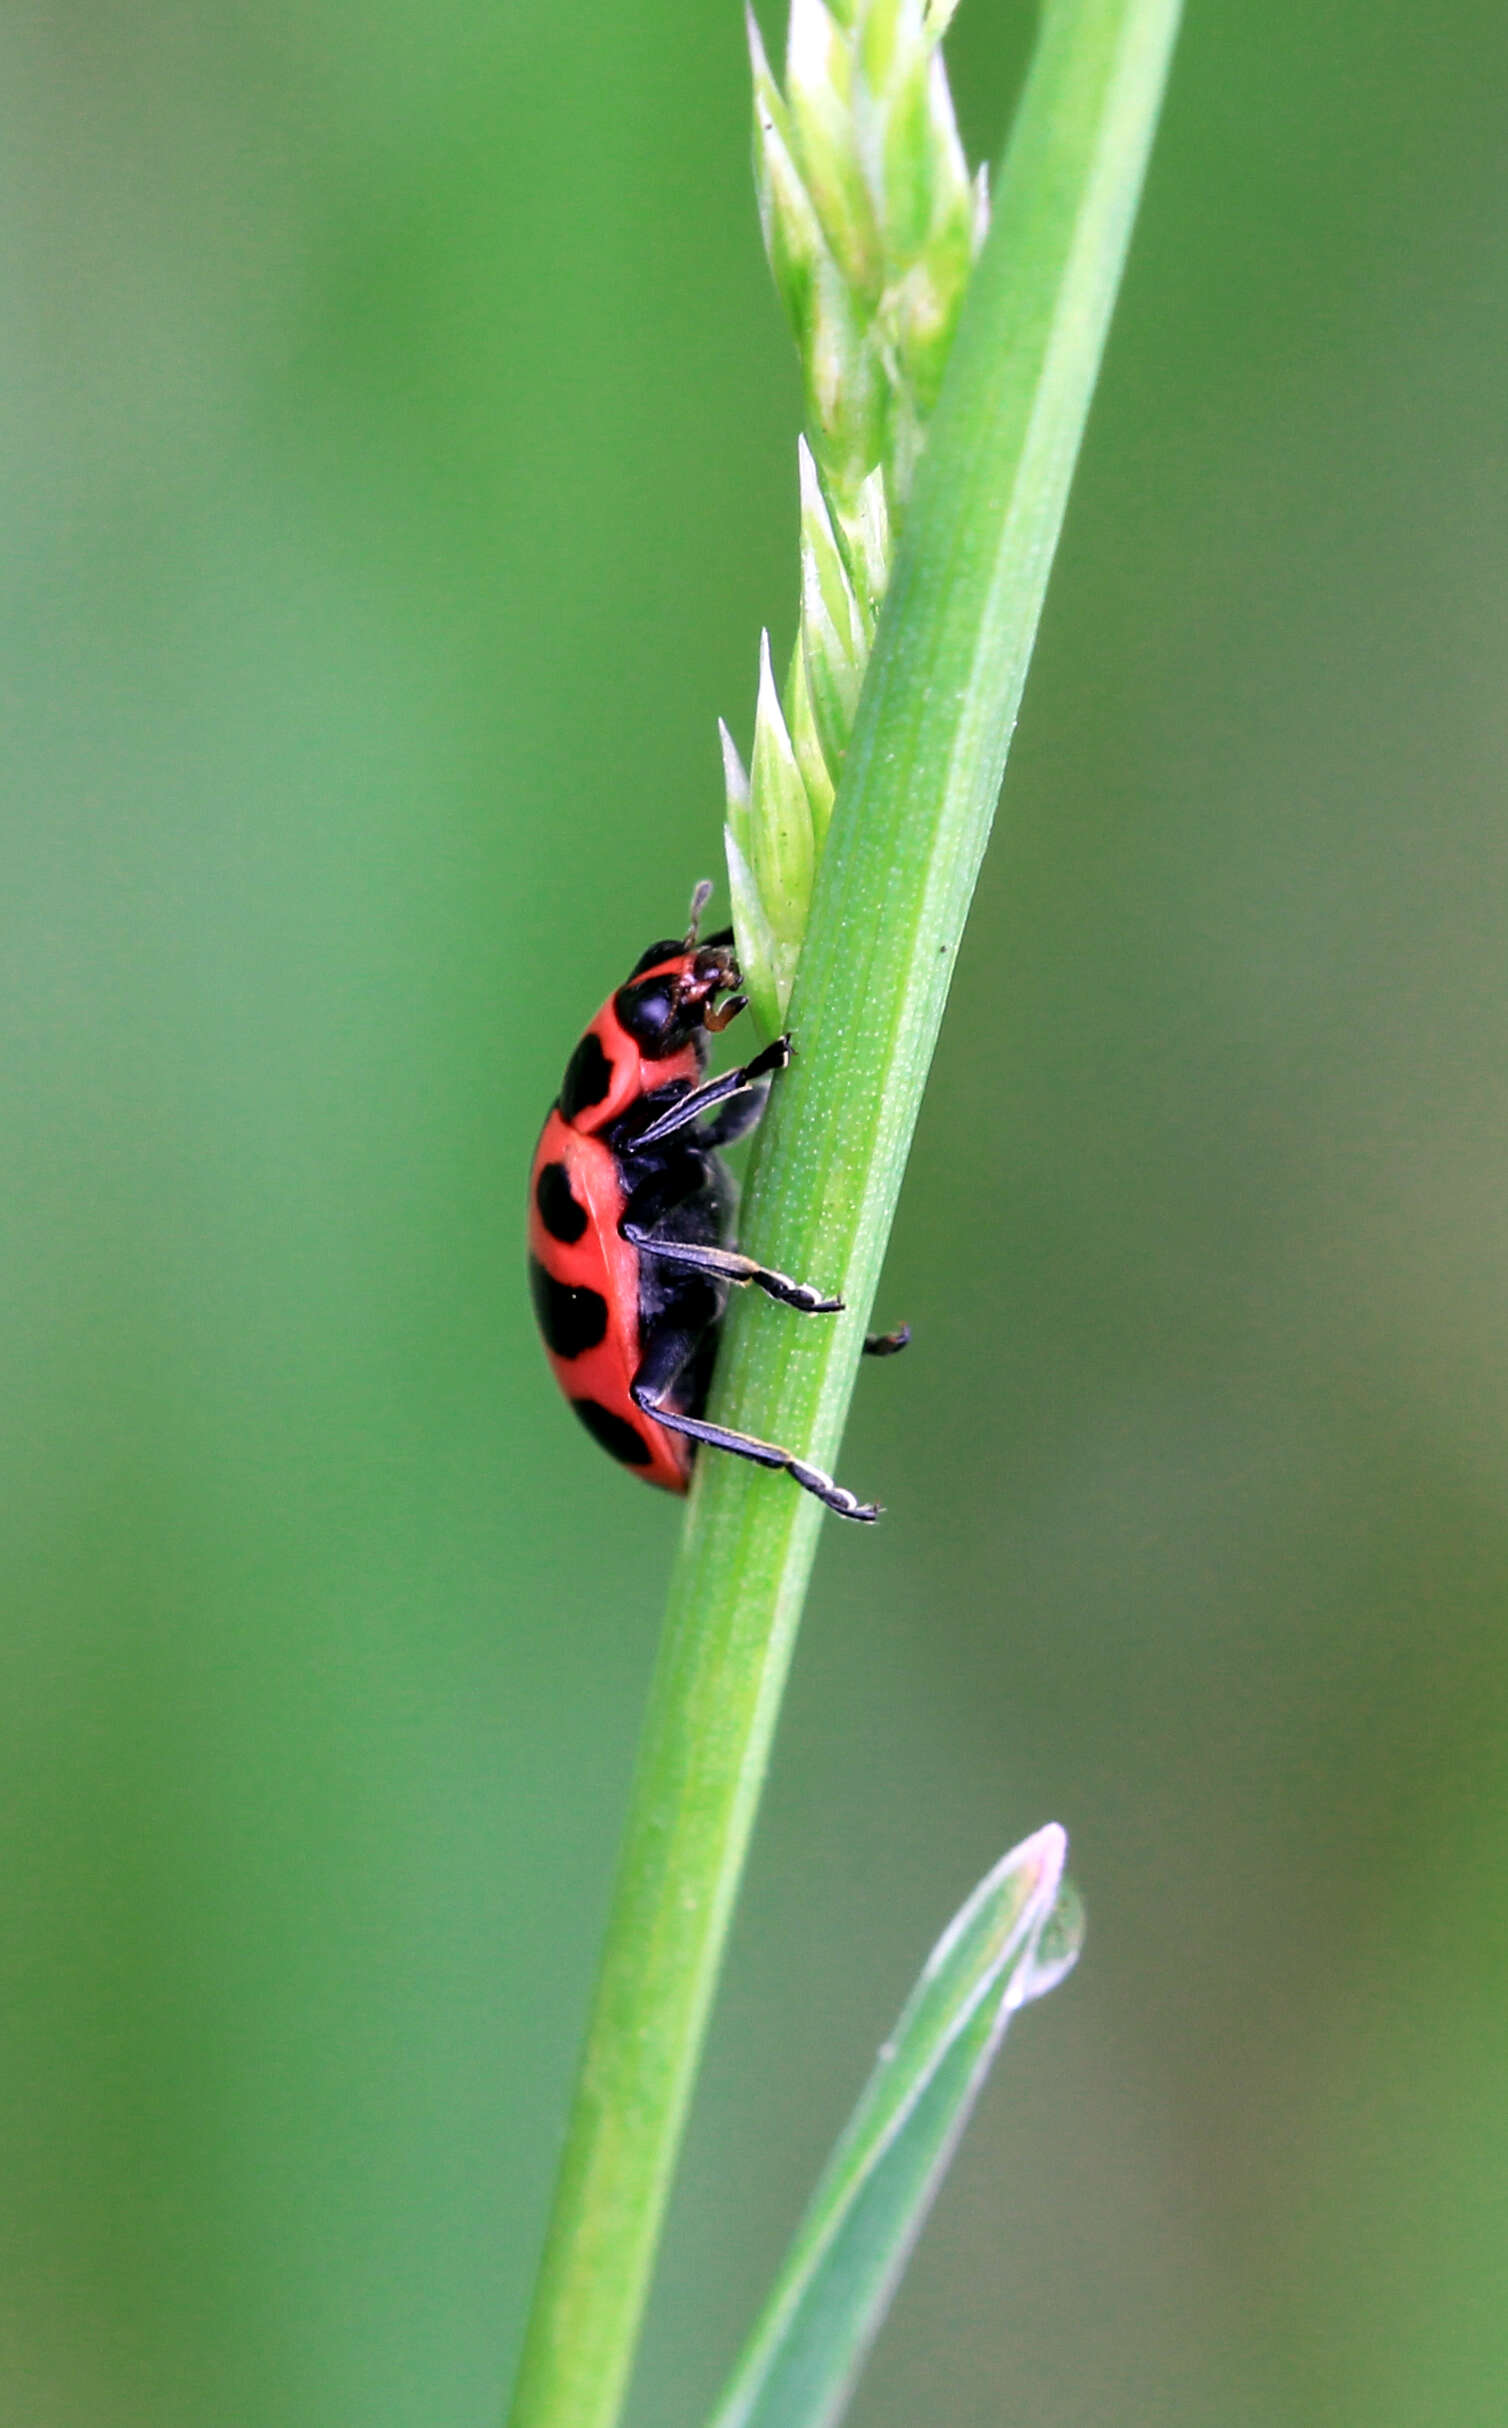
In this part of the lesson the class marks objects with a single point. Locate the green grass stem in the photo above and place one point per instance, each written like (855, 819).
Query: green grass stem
(908, 831)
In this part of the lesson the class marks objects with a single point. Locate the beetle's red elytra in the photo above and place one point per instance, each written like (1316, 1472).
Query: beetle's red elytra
(630, 1211)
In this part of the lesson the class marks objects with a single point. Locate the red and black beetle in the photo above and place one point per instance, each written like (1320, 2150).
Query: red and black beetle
(630, 1207)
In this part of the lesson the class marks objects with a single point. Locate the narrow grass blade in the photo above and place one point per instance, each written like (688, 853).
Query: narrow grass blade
(1016, 1937)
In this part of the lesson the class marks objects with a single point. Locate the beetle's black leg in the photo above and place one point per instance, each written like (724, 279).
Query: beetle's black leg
(887, 1344)
(728, 1265)
(667, 1356)
(697, 1101)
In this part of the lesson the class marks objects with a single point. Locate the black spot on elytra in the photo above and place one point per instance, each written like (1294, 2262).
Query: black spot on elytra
(562, 1214)
(572, 1320)
(588, 1077)
(618, 1437)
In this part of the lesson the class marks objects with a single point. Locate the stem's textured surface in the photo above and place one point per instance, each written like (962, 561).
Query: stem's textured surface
(908, 831)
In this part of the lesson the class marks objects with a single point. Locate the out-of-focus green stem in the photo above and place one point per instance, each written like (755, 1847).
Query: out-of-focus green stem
(908, 830)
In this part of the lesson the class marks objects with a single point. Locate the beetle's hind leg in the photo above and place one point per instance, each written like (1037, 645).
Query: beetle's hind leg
(669, 1353)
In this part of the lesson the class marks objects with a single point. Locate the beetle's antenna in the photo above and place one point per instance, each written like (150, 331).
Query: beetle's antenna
(699, 901)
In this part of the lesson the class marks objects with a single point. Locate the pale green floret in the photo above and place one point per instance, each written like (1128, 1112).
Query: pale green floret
(760, 953)
(793, 239)
(847, 387)
(871, 543)
(833, 643)
(806, 742)
(871, 224)
(826, 589)
(782, 847)
(736, 787)
(820, 82)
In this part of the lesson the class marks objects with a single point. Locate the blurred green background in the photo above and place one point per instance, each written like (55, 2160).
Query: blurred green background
(398, 465)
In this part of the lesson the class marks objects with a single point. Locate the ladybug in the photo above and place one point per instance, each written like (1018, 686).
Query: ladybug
(630, 1210)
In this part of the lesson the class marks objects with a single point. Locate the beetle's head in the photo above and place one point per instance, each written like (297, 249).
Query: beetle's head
(673, 995)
